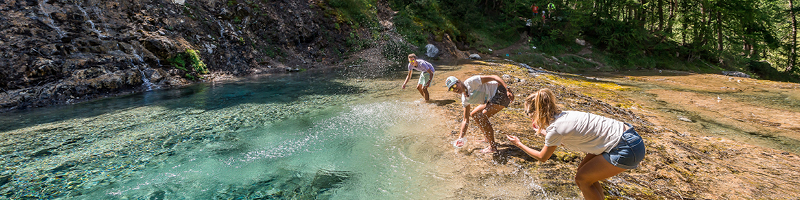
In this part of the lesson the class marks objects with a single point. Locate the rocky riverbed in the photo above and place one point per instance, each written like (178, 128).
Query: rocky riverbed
(681, 162)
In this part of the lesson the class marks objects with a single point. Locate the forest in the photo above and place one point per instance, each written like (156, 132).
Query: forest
(757, 37)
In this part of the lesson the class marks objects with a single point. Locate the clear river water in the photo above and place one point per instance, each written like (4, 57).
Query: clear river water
(284, 137)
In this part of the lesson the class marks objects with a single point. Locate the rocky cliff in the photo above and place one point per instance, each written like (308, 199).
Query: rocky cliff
(65, 51)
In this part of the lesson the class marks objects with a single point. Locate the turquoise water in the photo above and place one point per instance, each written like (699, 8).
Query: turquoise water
(273, 137)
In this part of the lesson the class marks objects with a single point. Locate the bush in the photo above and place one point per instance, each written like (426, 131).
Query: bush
(190, 58)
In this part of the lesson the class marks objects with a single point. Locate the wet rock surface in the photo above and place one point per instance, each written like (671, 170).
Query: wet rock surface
(56, 52)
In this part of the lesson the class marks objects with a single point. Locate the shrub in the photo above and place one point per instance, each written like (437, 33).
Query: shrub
(190, 58)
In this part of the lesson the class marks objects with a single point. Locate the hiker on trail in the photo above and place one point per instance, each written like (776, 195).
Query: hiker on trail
(535, 10)
(550, 8)
(489, 94)
(424, 78)
(543, 19)
(611, 146)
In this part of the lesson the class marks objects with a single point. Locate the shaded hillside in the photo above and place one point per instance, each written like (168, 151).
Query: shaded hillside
(62, 51)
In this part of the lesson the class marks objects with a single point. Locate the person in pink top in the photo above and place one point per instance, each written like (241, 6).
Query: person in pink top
(424, 78)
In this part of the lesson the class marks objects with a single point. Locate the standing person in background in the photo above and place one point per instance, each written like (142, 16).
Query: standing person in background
(550, 8)
(543, 19)
(491, 95)
(535, 10)
(424, 78)
(611, 146)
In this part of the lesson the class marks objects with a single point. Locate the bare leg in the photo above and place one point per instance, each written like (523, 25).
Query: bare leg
(593, 169)
(425, 94)
(481, 115)
(588, 157)
(423, 91)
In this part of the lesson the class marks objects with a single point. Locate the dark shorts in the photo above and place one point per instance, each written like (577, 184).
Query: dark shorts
(501, 96)
(629, 152)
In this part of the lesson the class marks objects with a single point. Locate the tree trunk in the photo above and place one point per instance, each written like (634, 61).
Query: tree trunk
(792, 52)
(719, 31)
(670, 21)
(660, 15)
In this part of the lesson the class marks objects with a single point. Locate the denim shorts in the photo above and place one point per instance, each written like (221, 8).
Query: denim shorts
(629, 152)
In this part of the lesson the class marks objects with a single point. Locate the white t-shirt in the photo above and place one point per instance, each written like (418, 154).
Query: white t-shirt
(479, 93)
(585, 132)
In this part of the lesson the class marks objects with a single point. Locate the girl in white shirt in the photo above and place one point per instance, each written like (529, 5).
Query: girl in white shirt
(611, 146)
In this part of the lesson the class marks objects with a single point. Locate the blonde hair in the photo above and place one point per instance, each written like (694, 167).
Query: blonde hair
(541, 107)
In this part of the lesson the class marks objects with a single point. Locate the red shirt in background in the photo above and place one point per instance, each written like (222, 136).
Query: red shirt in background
(535, 8)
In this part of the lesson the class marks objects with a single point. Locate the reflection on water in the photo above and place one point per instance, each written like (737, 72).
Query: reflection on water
(280, 138)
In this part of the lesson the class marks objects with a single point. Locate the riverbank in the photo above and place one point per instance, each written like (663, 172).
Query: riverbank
(681, 162)
(157, 135)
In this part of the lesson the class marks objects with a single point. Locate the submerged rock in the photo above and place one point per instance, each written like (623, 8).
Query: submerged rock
(327, 179)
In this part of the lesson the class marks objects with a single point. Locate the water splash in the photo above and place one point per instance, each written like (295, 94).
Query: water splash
(49, 20)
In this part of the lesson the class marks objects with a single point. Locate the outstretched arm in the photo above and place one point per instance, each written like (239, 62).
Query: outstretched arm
(542, 155)
(465, 122)
(407, 77)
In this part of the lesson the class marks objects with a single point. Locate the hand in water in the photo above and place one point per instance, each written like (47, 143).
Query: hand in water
(459, 142)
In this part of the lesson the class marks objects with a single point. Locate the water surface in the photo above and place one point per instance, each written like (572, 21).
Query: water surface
(274, 137)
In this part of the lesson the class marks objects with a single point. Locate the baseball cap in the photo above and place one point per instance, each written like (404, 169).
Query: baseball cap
(450, 81)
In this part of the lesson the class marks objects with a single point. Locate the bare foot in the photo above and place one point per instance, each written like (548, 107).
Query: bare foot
(489, 150)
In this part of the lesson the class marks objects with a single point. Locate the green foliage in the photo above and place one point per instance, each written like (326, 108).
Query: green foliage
(191, 59)
(417, 19)
(701, 36)
(196, 62)
(355, 12)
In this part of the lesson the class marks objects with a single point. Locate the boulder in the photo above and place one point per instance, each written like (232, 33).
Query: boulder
(161, 47)
(474, 56)
(580, 42)
(432, 50)
(735, 73)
